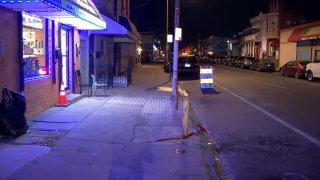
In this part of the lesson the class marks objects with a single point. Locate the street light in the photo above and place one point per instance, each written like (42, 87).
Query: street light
(139, 50)
(139, 54)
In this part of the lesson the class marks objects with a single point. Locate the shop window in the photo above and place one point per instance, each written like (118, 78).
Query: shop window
(35, 64)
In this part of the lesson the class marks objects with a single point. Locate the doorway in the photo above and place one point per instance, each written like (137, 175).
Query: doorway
(66, 57)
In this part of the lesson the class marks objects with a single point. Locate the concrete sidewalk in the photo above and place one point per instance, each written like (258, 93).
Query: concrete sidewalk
(113, 137)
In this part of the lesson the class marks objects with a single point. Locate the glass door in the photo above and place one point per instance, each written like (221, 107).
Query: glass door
(65, 57)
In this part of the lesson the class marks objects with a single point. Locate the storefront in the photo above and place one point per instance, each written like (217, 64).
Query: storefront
(47, 35)
(300, 43)
(273, 48)
(114, 50)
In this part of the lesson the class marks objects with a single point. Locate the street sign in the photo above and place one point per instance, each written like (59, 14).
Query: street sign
(170, 38)
(206, 79)
(178, 34)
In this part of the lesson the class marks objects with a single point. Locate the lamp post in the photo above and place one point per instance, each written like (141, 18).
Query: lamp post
(228, 43)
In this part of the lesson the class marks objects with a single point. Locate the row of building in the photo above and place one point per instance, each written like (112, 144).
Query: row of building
(44, 43)
(278, 34)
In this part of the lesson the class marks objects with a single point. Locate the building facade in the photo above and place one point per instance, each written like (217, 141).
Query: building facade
(261, 40)
(147, 45)
(39, 50)
(114, 49)
(300, 43)
(214, 45)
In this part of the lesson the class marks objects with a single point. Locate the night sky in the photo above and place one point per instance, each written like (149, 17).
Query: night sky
(201, 18)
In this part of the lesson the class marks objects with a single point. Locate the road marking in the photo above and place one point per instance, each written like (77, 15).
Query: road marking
(272, 116)
(224, 71)
(275, 85)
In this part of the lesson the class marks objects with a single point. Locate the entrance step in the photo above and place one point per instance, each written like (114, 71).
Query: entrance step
(72, 98)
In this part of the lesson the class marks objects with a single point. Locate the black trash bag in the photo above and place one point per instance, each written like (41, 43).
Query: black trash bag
(12, 120)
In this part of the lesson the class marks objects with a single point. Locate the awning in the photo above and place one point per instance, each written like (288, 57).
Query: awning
(81, 14)
(306, 33)
(113, 28)
(124, 39)
(133, 34)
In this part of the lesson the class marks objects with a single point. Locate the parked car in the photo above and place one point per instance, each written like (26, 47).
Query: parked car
(262, 65)
(206, 58)
(218, 59)
(244, 62)
(294, 68)
(231, 61)
(186, 64)
(313, 69)
(225, 60)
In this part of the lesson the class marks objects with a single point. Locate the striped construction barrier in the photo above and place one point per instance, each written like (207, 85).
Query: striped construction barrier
(206, 79)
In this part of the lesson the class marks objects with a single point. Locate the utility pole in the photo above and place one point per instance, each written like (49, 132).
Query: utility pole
(175, 53)
(167, 44)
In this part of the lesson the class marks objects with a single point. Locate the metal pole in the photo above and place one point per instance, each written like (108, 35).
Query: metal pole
(175, 54)
(167, 44)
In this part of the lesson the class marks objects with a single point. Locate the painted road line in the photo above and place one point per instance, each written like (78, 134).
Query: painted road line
(275, 85)
(224, 71)
(272, 116)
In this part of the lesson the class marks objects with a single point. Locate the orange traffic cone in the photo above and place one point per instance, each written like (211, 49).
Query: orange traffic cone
(62, 100)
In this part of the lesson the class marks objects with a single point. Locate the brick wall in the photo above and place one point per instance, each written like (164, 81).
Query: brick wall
(9, 57)
(41, 95)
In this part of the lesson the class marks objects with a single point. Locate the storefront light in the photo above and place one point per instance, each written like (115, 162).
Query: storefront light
(43, 71)
(139, 50)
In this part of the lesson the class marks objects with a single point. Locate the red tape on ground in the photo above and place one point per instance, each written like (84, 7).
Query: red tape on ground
(201, 130)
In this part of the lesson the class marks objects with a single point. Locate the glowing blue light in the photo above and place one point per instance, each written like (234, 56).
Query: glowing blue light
(72, 13)
(11, 1)
(36, 77)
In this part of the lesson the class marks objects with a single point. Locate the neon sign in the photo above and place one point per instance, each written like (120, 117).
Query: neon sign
(32, 21)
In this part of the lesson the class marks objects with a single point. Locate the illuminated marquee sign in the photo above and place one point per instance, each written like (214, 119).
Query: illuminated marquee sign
(76, 9)
(85, 4)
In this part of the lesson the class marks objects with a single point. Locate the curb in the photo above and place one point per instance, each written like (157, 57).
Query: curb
(209, 143)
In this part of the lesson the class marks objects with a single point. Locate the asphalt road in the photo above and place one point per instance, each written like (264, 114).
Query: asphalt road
(266, 126)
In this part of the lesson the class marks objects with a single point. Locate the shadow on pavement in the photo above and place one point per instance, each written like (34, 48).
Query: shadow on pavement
(188, 77)
(208, 91)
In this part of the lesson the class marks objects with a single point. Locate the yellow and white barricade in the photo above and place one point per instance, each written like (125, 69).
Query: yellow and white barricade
(206, 78)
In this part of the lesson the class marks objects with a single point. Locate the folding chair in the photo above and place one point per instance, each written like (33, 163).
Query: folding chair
(96, 85)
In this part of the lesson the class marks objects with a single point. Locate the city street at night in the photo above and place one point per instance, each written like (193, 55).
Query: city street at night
(159, 90)
(266, 126)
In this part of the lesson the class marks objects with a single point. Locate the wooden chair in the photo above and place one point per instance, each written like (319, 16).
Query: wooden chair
(96, 85)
